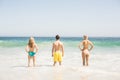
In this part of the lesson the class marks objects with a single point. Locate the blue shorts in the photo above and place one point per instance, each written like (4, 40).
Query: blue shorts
(31, 54)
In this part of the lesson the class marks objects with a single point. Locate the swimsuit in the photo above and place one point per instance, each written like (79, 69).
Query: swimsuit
(57, 56)
(31, 53)
(86, 51)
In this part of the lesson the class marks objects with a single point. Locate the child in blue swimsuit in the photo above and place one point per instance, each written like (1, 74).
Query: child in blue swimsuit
(31, 49)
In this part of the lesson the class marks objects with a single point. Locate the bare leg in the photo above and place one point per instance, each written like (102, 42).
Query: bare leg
(60, 63)
(28, 61)
(87, 59)
(34, 61)
(54, 63)
(83, 58)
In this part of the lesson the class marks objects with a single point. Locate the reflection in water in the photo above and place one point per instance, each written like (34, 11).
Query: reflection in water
(58, 74)
(63, 74)
(84, 77)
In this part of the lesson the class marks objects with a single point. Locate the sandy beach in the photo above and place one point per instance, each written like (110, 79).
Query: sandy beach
(13, 66)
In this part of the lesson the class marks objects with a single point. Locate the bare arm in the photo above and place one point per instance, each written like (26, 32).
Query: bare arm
(80, 46)
(62, 50)
(27, 49)
(91, 44)
(52, 49)
(36, 48)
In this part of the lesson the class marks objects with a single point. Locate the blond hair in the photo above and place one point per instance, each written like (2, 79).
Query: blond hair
(85, 37)
(31, 42)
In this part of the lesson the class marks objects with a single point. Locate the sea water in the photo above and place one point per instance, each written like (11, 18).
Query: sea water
(104, 62)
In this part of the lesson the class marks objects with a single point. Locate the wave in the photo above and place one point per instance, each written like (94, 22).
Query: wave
(68, 42)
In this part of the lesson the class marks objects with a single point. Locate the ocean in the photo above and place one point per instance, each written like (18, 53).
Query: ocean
(68, 41)
(104, 59)
(105, 44)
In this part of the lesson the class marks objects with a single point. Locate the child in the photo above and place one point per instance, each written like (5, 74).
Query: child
(31, 49)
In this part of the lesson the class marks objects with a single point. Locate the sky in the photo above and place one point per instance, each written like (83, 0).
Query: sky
(64, 17)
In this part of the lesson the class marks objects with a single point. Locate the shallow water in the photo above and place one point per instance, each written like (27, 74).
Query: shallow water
(104, 63)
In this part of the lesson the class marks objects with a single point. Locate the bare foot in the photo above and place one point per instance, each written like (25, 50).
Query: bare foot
(28, 65)
(34, 65)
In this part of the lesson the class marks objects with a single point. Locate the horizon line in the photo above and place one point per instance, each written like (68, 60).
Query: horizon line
(61, 36)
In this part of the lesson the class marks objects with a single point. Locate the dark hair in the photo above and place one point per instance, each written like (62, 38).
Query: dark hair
(57, 37)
